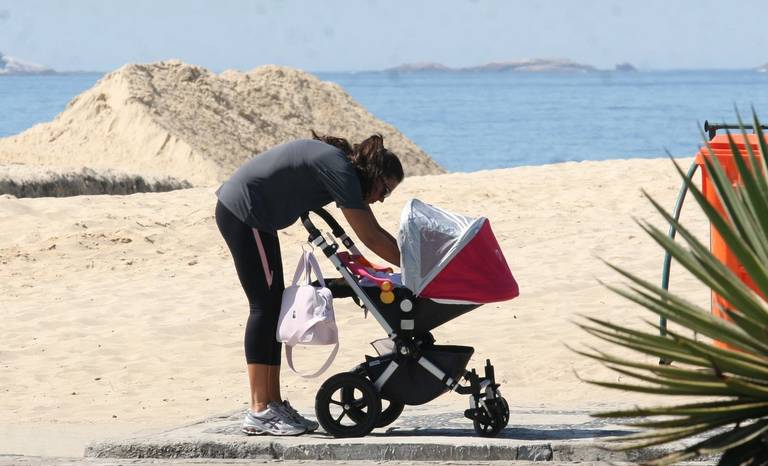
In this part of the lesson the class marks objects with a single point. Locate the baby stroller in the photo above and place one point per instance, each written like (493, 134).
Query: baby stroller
(450, 265)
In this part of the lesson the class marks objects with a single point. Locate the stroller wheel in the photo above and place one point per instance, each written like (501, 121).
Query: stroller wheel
(489, 422)
(504, 408)
(389, 414)
(347, 405)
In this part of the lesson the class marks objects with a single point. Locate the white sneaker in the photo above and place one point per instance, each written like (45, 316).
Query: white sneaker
(272, 421)
(308, 424)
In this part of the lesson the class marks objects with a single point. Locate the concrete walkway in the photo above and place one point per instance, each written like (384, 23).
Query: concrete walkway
(49, 461)
(420, 434)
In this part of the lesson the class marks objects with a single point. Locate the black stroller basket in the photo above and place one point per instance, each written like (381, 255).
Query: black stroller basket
(410, 369)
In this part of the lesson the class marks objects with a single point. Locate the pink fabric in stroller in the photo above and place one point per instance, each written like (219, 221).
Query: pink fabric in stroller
(361, 267)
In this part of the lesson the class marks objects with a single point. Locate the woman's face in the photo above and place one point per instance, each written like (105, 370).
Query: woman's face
(381, 189)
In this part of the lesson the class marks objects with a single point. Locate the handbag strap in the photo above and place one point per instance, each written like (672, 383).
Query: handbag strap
(323, 368)
(302, 268)
(294, 339)
(307, 264)
(316, 268)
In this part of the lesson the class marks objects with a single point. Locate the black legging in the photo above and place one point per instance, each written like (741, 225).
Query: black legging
(261, 345)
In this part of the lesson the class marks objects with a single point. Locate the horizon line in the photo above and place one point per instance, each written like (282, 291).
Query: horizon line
(416, 71)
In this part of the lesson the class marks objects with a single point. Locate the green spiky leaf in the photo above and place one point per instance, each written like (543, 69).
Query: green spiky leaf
(735, 421)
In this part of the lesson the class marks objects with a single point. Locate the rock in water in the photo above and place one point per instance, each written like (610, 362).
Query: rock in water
(11, 66)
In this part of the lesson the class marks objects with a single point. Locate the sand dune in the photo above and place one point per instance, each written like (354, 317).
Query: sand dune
(174, 119)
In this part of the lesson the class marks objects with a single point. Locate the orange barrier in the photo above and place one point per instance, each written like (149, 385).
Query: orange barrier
(722, 151)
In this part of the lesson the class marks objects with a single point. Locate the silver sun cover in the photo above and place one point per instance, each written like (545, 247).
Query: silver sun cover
(429, 239)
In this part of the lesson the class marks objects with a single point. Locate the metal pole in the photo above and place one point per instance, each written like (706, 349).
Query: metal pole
(672, 232)
(711, 128)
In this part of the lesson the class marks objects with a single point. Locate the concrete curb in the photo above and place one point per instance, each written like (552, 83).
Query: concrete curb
(394, 451)
(581, 439)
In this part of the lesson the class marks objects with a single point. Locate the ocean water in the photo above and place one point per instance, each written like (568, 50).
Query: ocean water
(477, 121)
(28, 100)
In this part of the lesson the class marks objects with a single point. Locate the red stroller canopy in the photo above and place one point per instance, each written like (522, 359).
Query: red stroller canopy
(452, 257)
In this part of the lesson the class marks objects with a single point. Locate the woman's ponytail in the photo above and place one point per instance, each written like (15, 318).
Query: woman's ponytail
(339, 143)
(370, 158)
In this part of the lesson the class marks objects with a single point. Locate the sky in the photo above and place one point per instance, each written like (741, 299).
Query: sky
(356, 35)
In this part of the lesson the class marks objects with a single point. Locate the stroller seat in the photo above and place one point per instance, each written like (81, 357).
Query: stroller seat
(396, 303)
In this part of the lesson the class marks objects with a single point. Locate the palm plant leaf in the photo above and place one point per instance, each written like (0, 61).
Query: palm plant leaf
(692, 409)
(690, 317)
(752, 453)
(735, 421)
(738, 229)
(755, 196)
(735, 203)
(717, 443)
(707, 268)
(723, 363)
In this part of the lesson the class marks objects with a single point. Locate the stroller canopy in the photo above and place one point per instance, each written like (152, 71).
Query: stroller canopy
(449, 256)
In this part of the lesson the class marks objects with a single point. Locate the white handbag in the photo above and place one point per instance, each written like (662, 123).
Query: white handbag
(306, 314)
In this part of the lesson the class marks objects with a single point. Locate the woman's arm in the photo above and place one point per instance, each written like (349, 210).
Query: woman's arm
(375, 238)
(383, 231)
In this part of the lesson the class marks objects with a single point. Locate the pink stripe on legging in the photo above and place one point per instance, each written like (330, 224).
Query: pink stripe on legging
(267, 272)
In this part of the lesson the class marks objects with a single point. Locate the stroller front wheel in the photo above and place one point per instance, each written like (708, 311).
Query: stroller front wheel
(347, 405)
(490, 421)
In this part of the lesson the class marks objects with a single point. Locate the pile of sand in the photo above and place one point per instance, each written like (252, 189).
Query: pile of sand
(32, 181)
(179, 120)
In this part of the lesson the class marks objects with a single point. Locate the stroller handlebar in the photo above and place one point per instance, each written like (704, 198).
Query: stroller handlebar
(327, 217)
(336, 229)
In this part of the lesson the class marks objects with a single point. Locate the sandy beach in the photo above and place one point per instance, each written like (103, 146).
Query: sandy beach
(124, 314)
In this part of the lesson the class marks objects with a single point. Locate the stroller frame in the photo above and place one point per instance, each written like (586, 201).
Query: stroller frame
(438, 368)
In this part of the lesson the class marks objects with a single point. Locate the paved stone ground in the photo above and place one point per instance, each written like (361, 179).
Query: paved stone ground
(421, 434)
(47, 461)
(35, 461)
